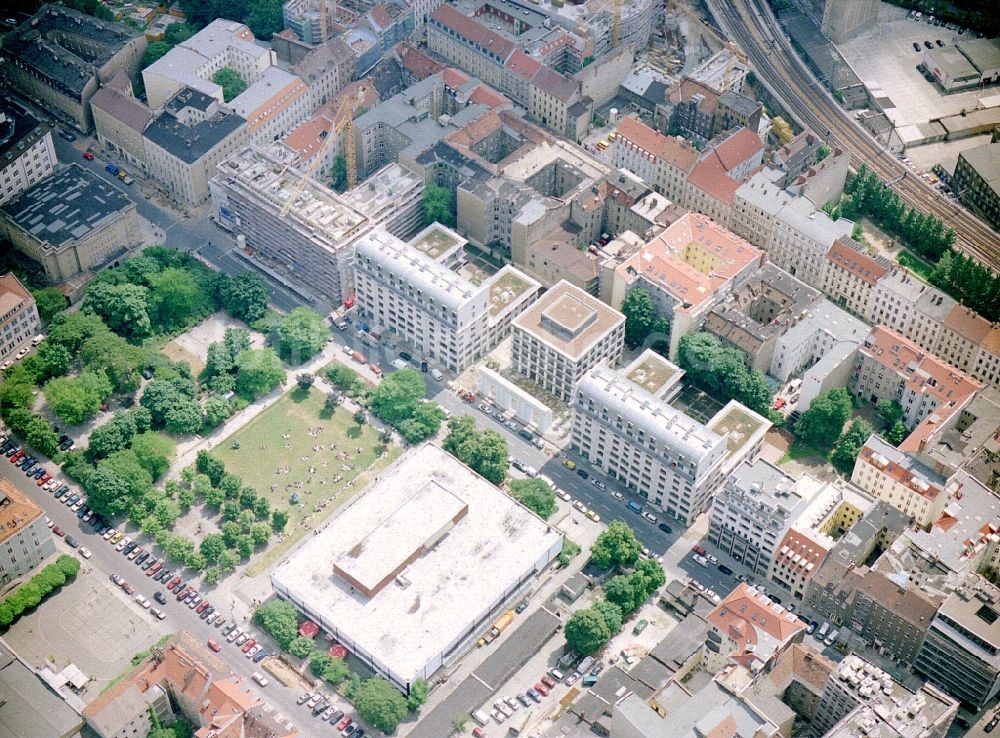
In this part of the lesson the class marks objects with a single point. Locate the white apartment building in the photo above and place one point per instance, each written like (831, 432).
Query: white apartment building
(27, 155)
(623, 424)
(752, 512)
(18, 315)
(802, 237)
(821, 349)
(192, 63)
(888, 474)
(565, 333)
(448, 319)
(910, 307)
(25, 541)
(851, 274)
(756, 205)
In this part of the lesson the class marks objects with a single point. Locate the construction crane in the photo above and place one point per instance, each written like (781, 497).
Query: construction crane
(616, 21)
(343, 124)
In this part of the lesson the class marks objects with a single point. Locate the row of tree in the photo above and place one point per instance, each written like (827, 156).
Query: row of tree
(31, 593)
(722, 372)
(588, 630)
(485, 452)
(866, 195)
(974, 285)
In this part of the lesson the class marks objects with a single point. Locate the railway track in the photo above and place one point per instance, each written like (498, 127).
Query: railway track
(754, 27)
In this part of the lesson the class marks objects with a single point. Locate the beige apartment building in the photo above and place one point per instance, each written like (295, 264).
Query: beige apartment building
(25, 541)
(563, 335)
(18, 315)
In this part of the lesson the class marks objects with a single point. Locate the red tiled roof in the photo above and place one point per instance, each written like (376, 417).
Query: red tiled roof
(523, 65)
(454, 78)
(859, 264)
(416, 62)
(473, 31)
(746, 613)
(739, 147)
(968, 324)
(710, 175)
(381, 16)
(808, 550)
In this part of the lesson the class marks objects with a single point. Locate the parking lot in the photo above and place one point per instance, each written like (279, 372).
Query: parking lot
(90, 623)
(886, 62)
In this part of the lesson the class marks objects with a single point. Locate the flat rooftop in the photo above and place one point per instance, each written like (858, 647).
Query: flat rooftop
(652, 372)
(67, 205)
(508, 288)
(738, 424)
(436, 241)
(454, 576)
(569, 320)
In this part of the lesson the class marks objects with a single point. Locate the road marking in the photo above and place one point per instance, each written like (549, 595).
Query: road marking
(490, 687)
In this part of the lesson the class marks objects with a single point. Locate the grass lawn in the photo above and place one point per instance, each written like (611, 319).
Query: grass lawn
(923, 269)
(295, 447)
(801, 451)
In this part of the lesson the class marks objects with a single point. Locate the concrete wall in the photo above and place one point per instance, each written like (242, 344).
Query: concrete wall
(509, 396)
(600, 79)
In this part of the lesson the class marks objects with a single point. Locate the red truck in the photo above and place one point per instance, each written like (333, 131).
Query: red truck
(359, 357)
(698, 550)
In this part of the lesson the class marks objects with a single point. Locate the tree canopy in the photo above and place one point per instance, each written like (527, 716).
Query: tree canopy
(77, 399)
(260, 371)
(617, 546)
(587, 631)
(640, 315)
(244, 296)
(822, 424)
(849, 445)
(485, 452)
(279, 619)
(380, 704)
(50, 302)
(722, 372)
(437, 205)
(397, 395)
(231, 82)
(534, 494)
(123, 307)
(301, 335)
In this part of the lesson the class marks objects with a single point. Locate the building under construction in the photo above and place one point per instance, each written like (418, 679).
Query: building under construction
(311, 242)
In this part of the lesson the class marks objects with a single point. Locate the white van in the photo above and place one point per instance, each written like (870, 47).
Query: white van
(832, 638)
(37, 339)
(259, 678)
(823, 631)
(480, 717)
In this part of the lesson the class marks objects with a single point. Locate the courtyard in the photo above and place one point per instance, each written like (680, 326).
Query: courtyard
(305, 460)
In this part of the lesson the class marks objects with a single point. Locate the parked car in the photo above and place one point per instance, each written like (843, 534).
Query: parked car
(88, 156)
(214, 645)
(665, 528)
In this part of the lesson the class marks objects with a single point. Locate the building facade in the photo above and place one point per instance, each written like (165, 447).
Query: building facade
(19, 321)
(61, 56)
(977, 181)
(445, 317)
(751, 513)
(565, 333)
(187, 140)
(90, 224)
(25, 541)
(961, 652)
(27, 155)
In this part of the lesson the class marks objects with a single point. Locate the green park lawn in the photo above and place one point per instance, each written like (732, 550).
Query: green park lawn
(298, 447)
